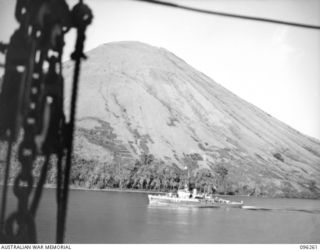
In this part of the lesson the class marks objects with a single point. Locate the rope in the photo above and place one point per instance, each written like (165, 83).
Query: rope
(62, 210)
(65, 192)
(224, 14)
(70, 128)
(82, 17)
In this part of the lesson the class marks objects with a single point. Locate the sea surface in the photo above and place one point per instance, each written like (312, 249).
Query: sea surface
(124, 217)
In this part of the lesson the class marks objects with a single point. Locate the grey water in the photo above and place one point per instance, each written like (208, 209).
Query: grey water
(123, 217)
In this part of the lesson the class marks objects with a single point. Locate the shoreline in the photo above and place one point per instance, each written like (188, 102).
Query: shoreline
(73, 187)
(144, 191)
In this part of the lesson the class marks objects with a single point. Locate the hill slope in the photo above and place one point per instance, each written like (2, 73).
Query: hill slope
(135, 98)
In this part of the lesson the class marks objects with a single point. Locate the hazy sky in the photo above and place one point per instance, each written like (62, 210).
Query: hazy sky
(275, 67)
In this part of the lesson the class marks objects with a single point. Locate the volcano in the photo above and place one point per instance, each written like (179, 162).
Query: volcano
(138, 99)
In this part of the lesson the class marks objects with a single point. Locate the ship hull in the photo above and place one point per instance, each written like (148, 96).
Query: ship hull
(189, 202)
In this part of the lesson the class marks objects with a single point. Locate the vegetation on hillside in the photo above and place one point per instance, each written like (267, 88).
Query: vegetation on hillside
(146, 173)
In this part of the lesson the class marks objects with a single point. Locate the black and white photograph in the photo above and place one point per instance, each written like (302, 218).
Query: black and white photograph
(159, 122)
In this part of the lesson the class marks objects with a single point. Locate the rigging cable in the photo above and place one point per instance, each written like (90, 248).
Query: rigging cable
(225, 14)
(82, 16)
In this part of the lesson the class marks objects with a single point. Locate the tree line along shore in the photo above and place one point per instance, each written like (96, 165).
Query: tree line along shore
(151, 175)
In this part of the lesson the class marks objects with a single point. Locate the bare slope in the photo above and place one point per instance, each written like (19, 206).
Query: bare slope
(135, 98)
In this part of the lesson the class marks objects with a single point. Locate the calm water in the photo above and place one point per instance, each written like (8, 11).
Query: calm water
(120, 217)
